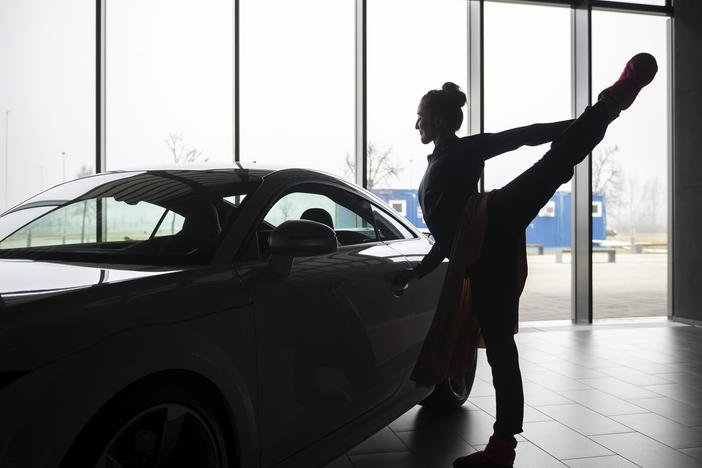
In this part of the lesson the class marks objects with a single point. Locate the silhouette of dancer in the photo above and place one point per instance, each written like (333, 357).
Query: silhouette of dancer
(482, 234)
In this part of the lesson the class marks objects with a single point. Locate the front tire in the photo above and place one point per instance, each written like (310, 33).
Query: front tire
(154, 426)
(451, 394)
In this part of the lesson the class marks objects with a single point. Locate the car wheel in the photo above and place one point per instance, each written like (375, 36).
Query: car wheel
(158, 426)
(450, 393)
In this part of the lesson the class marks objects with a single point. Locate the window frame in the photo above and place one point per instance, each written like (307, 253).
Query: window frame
(318, 187)
(399, 220)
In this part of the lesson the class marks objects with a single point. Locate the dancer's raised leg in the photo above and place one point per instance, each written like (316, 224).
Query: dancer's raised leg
(517, 203)
(510, 210)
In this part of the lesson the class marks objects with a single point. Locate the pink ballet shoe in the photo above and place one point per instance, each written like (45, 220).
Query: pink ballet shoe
(639, 72)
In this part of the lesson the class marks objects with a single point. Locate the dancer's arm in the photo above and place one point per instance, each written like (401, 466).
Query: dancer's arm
(426, 266)
(492, 144)
(431, 260)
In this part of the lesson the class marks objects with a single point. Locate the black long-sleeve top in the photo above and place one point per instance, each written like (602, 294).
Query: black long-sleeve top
(452, 176)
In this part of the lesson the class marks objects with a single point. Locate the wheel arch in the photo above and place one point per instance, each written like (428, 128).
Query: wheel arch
(69, 392)
(186, 378)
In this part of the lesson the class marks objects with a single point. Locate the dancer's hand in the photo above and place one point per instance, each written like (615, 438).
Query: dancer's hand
(403, 279)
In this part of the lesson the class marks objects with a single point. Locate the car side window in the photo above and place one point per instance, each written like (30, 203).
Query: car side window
(75, 223)
(172, 223)
(347, 214)
(388, 227)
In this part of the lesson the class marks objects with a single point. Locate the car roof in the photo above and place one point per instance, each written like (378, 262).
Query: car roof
(251, 168)
(256, 171)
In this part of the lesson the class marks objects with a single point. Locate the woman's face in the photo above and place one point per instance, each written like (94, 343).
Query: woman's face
(426, 125)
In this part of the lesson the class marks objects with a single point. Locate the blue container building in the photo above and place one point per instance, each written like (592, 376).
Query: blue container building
(404, 202)
(550, 228)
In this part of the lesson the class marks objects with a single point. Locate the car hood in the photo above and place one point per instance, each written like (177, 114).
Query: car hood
(23, 280)
(50, 309)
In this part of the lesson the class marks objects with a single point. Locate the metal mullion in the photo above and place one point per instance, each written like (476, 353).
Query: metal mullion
(100, 112)
(361, 150)
(237, 156)
(565, 3)
(476, 72)
(581, 200)
(670, 305)
(100, 79)
(666, 10)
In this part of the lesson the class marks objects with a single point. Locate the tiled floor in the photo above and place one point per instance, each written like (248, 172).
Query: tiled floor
(615, 394)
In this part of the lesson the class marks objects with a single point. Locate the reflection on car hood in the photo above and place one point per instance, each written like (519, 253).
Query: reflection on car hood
(49, 310)
(27, 277)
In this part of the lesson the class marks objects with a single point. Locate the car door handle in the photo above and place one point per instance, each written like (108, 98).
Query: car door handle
(398, 291)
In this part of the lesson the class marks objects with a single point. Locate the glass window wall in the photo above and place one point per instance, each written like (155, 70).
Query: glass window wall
(169, 83)
(642, 2)
(527, 76)
(297, 82)
(47, 95)
(407, 58)
(629, 167)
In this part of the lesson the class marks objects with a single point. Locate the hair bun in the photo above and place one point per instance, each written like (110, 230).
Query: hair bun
(454, 93)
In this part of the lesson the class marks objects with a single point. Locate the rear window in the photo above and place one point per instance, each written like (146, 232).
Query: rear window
(144, 217)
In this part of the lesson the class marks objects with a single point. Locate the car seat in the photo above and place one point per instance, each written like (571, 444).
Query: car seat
(318, 214)
(200, 227)
(321, 216)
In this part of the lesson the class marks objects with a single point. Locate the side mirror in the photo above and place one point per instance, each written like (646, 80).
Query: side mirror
(298, 238)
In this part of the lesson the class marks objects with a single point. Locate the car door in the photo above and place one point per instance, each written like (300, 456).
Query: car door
(329, 333)
(420, 298)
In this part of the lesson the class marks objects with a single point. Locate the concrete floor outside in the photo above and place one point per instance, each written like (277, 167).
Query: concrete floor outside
(635, 285)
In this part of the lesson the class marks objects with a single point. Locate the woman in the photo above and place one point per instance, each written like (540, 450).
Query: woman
(482, 234)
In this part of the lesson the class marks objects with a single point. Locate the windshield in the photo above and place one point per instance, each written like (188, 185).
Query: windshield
(152, 217)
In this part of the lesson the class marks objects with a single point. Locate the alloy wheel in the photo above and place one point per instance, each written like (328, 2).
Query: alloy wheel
(164, 436)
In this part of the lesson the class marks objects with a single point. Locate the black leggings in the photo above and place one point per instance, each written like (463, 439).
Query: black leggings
(495, 290)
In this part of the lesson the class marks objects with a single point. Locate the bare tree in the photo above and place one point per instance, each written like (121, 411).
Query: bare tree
(381, 166)
(606, 174)
(84, 171)
(641, 208)
(646, 203)
(286, 207)
(180, 151)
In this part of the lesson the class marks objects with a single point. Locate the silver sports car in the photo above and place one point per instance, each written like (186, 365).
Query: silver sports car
(207, 318)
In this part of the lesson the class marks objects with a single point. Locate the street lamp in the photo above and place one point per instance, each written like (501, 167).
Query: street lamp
(411, 161)
(63, 155)
(7, 151)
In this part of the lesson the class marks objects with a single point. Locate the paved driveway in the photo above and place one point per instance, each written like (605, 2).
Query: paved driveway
(633, 286)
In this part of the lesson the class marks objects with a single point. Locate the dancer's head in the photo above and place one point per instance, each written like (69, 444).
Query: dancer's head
(439, 113)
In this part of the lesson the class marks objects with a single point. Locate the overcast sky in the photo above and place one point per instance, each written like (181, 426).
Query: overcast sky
(169, 71)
